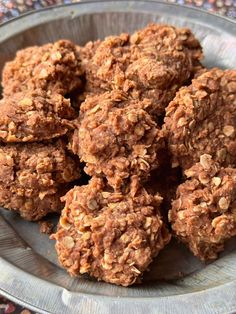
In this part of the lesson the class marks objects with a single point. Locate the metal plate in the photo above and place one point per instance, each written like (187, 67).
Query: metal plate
(177, 282)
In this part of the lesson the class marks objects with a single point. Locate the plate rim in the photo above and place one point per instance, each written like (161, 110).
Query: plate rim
(188, 7)
(190, 300)
(229, 287)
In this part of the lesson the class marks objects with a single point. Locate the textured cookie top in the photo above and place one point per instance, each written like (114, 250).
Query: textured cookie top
(53, 67)
(112, 236)
(37, 115)
(34, 176)
(37, 165)
(152, 63)
(202, 119)
(117, 138)
(204, 212)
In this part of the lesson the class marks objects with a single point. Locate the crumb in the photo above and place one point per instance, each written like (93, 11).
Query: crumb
(46, 227)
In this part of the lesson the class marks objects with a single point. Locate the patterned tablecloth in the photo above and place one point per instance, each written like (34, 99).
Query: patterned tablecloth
(13, 8)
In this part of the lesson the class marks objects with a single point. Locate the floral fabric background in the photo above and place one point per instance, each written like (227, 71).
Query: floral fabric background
(13, 8)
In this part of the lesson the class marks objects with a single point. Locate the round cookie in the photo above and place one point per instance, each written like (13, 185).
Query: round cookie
(34, 116)
(111, 236)
(34, 176)
(202, 119)
(203, 215)
(151, 64)
(52, 67)
(117, 139)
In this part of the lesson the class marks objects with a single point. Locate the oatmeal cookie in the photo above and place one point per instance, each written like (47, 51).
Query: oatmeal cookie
(109, 235)
(152, 63)
(33, 177)
(34, 116)
(203, 215)
(52, 67)
(117, 139)
(202, 119)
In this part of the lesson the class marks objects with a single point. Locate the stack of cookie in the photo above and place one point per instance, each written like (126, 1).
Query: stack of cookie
(200, 128)
(113, 228)
(155, 131)
(36, 167)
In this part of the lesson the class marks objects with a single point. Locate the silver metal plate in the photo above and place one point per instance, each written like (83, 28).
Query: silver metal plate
(177, 282)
